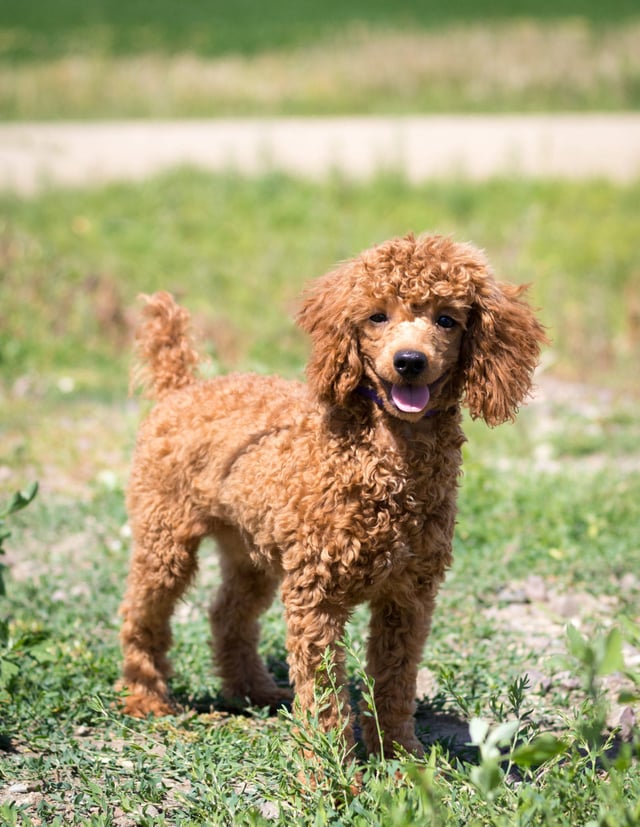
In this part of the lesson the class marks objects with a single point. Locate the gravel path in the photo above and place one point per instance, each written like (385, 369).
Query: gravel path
(33, 155)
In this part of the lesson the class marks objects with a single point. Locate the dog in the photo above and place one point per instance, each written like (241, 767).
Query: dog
(340, 491)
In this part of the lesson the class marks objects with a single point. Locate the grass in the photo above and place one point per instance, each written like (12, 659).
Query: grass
(521, 718)
(33, 31)
(95, 59)
(239, 252)
(513, 65)
(522, 725)
(79, 762)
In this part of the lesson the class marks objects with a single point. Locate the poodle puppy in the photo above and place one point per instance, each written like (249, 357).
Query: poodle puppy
(341, 490)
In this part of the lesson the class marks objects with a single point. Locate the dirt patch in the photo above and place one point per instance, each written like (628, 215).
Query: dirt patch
(33, 156)
(533, 614)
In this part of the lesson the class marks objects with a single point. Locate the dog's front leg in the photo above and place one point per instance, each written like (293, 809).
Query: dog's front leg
(315, 625)
(399, 628)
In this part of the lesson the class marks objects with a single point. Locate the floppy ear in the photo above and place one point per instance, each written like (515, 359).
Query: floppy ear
(500, 351)
(334, 369)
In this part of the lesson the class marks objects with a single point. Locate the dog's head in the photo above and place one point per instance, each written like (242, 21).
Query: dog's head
(418, 324)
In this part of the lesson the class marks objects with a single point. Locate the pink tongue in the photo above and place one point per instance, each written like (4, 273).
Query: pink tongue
(409, 399)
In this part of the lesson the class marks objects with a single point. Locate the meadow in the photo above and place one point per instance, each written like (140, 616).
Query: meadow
(522, 724)
(131, 26)
(132, 59)
(529, 691)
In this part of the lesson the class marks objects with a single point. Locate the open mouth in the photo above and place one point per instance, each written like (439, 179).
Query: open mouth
(406, 397)
(409, 398)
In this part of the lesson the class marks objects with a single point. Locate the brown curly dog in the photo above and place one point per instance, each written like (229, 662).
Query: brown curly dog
(342, 490)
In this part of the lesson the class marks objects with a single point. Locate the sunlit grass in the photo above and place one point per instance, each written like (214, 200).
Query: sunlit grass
(77, 759)
(553, 498)
(521, 65)
(238, 252)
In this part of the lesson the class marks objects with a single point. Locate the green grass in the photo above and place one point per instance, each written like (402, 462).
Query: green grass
(39, 30)
(239, 251)
(80, 762)
(550, 500)
(72, 60)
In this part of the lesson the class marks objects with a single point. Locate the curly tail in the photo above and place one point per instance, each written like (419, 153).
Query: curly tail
(166, 357)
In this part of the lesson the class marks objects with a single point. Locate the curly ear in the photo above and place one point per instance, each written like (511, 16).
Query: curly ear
(500, 351)
(334, 369)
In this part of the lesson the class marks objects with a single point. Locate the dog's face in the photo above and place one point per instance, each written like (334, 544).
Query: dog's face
(409, 351)
(420, 324)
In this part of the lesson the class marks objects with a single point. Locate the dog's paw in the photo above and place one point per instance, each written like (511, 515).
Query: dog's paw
(274, 697)
(142, 704)
(401, 738)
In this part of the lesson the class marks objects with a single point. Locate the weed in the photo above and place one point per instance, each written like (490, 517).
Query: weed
(528, 761)
(14, 650)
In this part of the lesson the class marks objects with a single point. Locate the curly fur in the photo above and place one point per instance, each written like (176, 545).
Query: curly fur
(342, 491)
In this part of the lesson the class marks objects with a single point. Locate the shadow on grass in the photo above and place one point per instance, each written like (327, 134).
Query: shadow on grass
(433, 725)
(6, 744)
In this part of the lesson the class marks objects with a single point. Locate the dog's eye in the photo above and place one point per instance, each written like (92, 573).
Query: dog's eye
(446, 321)
(378, 318)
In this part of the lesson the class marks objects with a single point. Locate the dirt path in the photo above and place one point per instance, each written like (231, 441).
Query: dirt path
(33, 155)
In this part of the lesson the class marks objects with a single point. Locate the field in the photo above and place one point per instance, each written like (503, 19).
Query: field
(120, 27)
(529, 691)
(115, 59)
(546, 535)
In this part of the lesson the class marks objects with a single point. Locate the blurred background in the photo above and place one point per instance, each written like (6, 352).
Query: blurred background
(238, 248)
(111, 58)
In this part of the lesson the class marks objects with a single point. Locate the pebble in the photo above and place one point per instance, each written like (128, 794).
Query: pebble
(21, 788)
(18, 789)
(627, 723)
(507, 595)
(539, 681)
(535, 589)
(426, 683)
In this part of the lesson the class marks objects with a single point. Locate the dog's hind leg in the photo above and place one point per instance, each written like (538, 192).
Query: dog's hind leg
(161, 570)
(246, 591)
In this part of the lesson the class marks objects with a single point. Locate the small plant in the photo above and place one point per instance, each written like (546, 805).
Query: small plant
(320, 757)
(599, 657)
(8, 655)
(513, 742)
(20, 500)
(488, 776)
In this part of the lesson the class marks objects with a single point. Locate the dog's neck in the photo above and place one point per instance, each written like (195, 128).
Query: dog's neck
(412, 442)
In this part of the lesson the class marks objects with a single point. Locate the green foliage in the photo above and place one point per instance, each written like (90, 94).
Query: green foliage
(72, 60)
(523, 764)
(238, 252)
(212, 29)
(18, 501)
(13, 652)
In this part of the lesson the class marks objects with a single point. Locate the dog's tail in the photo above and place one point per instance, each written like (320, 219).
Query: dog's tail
(166, 356)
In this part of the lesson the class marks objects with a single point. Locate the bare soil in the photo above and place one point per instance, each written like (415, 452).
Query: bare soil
(35, 155)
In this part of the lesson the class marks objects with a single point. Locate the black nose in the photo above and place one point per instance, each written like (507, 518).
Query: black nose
(409, 363)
